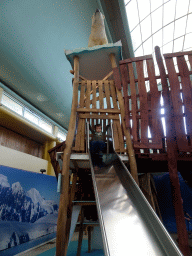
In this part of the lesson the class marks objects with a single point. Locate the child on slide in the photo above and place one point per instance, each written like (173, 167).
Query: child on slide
(97, 144)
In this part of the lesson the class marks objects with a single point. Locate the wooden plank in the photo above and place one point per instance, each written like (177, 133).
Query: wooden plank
(101, 116)
(72, 196)
(94, 94)
(133, 102)
(62, 237)
(190, 60)
(82, 139)
(124, 75)
(107, 76)
(89, 228)
(107, 93)
(117, 78)
(120, 136)
(176, 54)
(94, 84)
(130, 60)
(187, 92)
(177, 105)
(156, 129)
(78, 135)
(172, 161)
(100, 94)
(130, 151)
(91, 110)
(88, 92)
(80, 232)
(143, 102)
(82, 95)
(115, 136)
(113, 94)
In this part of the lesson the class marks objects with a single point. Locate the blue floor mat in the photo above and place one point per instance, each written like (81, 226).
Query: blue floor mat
(72, 250)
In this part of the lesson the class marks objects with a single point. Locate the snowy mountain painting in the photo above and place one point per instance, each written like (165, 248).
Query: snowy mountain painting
(28, 206)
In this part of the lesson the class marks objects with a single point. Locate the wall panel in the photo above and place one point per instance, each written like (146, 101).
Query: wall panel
(20, 143)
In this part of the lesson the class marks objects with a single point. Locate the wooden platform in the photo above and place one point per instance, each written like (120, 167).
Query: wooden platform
(81, 160)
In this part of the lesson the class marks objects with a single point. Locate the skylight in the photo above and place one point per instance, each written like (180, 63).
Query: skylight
(163, 23)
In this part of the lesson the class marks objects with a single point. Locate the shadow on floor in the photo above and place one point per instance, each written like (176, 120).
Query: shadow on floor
(72, 250)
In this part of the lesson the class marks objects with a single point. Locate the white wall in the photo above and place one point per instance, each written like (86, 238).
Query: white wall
(15, 159)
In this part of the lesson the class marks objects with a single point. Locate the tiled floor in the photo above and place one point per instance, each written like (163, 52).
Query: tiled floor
(46, 246)
(42, 248)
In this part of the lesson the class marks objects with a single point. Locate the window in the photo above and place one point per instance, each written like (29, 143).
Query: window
(20, 109)
(163, 21)
(12, 104)
(61, 136)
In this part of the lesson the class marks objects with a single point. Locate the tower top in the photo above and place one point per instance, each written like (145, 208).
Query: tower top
(94, 62)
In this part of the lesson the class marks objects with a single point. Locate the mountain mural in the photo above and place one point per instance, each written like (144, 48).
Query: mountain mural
(18, 205)
(25, 215)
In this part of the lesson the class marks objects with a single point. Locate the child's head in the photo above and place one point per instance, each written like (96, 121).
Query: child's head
(98, 128)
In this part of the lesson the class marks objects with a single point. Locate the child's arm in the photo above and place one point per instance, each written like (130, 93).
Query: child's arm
(90, 128)
(106, 128)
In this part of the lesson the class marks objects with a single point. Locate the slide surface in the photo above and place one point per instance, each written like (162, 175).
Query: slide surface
(129, 225)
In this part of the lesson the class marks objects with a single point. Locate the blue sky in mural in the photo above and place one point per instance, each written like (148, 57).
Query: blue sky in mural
(45, 184)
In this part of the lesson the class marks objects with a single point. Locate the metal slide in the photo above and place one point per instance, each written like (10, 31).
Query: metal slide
(129, 225)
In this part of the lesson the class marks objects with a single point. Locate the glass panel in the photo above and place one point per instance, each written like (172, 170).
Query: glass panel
(189, 22)
(132, 14)
(139, 51)
(144, 8)
(136, 37)
(155, 4)
(190, 7)
(146, 28)
(31, 117)
(178, 44)
(175, 64)
(180, 26)
(164, 125)
(187, 43)
(156, 20)
(181, 8)
(157, 39)
(44, 125)
(127, 1)
(148, 47)
(168, 47)
(11, 104)
(61, 136)
(169, 12)
(168, 33)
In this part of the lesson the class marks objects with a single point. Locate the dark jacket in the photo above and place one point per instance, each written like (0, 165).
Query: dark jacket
(98, 136)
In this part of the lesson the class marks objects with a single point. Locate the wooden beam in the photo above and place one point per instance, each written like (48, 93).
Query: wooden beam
(112, 111)
(81, 77)
(95, 116)
(176, 54)
(130, 151)
(107, 76)
(172, 160)
(146, 57)
(63, 215)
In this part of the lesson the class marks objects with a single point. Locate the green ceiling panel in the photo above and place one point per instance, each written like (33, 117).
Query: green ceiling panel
(34, 35)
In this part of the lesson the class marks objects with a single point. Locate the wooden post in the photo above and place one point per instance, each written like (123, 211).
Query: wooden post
(64, 213)
(172, 160)
(89, 238)
(130, 151)
(80, 232)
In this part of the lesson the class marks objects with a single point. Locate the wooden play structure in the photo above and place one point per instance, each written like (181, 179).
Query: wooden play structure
(131, 95)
